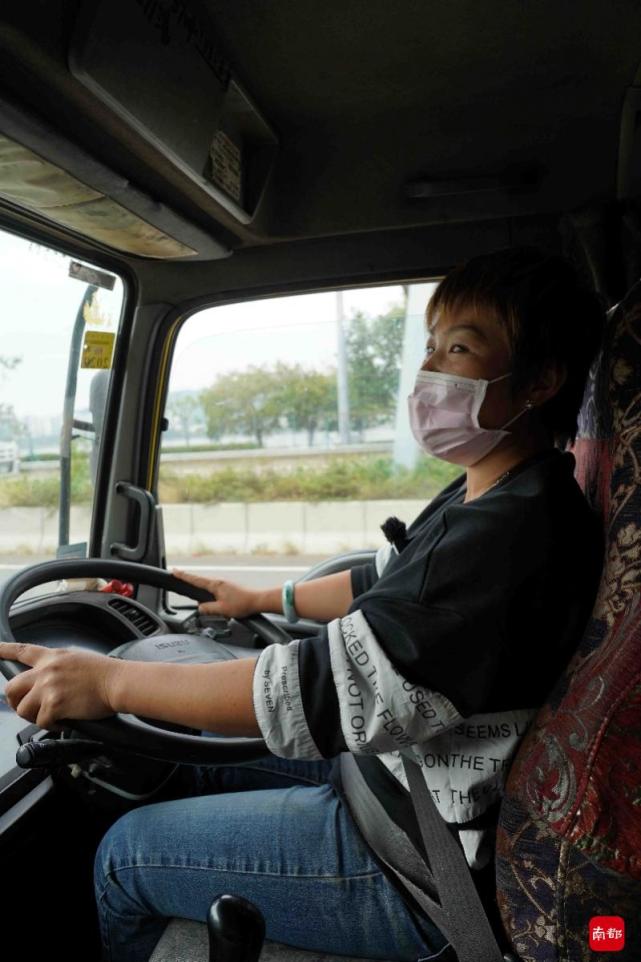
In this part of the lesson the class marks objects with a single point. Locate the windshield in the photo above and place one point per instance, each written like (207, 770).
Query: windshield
(287, 434)
(59, 327)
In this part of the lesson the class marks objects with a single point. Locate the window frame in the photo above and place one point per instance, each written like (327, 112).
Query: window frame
(178, 317)
(27, 231)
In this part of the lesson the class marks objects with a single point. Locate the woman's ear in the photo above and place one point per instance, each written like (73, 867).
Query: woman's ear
(549, 381)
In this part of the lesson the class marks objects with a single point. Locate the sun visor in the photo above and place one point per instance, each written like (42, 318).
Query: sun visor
(43, 172)
(157, 66)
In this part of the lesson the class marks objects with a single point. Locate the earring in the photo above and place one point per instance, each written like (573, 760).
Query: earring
(529, 404)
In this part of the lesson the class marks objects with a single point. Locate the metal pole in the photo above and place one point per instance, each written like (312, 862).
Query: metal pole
(341, 373)
(66, 432)
(406, 450)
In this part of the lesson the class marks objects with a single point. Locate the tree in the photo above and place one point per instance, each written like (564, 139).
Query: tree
(243, 402)
(11, 428)
(374, 348)
(184, 409)
(307, 398)
(216, 408)
(8, 363)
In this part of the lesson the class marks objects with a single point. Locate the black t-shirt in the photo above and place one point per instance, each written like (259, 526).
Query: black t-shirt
(449, 652)
(487, 601)
(523, 596)
(501, 586)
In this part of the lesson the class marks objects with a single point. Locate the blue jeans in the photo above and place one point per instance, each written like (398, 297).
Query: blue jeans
(273, 831)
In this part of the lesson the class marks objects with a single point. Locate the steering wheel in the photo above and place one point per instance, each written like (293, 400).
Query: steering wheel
(122, 730)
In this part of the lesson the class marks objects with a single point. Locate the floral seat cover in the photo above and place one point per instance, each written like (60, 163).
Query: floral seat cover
(569, 835)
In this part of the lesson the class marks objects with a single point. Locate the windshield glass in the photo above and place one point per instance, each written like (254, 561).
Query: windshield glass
(287, 439)
(59, 327)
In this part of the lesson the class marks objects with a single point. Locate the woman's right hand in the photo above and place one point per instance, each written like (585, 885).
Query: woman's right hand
(232, 600)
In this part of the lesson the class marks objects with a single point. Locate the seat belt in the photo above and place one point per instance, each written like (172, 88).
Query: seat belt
(452, 876)
(460, 914)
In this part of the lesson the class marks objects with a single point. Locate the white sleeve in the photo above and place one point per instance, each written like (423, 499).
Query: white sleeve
(278, 703)
(380, 710)
(372, 708)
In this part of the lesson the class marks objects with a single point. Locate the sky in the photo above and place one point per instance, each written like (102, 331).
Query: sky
(39, 306)
(300, 328)
(40, 302)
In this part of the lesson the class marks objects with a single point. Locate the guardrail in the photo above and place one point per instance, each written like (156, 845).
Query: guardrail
(240, 455)
(280, 527)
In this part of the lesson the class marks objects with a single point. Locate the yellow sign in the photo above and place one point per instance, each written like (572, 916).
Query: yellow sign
(97, 349)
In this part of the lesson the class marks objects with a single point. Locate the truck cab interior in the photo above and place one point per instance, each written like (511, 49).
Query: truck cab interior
(161, 161)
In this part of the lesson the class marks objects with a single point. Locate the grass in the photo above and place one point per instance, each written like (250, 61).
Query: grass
(26, 491)
(199, 448)
(342, 479)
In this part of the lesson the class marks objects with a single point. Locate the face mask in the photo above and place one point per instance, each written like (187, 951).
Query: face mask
(444, 412)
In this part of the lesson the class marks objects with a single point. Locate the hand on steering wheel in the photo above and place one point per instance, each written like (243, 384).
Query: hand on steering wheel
(126, 731)
(227, 598)
(64, 683)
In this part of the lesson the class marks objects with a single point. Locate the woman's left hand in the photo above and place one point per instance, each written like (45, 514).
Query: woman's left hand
(70, 683)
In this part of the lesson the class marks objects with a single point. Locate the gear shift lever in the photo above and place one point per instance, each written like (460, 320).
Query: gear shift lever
(236, 930)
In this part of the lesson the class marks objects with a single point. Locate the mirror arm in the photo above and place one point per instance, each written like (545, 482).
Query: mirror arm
(66, 431)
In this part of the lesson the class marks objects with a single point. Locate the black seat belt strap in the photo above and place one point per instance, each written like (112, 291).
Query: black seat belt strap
(473, 938)
(459, 913)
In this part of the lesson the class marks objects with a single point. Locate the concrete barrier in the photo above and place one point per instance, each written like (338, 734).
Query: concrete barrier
(35, 530)
(274, 527)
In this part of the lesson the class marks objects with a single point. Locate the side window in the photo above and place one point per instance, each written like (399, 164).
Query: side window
(288, 438)
(60, 319)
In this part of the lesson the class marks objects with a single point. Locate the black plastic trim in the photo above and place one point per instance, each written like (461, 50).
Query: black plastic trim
(16, 783)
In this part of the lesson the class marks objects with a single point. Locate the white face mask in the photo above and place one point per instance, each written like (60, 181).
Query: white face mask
(444, 411)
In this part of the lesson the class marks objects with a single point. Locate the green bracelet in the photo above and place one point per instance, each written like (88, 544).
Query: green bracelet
(288, 602)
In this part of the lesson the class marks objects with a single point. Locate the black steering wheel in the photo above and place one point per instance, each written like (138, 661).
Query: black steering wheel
(125, 731)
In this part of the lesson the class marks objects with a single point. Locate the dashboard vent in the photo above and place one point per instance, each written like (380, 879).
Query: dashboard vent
(140, 619)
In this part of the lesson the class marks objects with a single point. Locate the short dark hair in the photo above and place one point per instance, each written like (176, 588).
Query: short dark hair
(549, 315)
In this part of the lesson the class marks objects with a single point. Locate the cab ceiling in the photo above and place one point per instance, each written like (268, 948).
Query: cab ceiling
(368, 96)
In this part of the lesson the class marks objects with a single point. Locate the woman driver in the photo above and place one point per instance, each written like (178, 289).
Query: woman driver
(444, 649)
